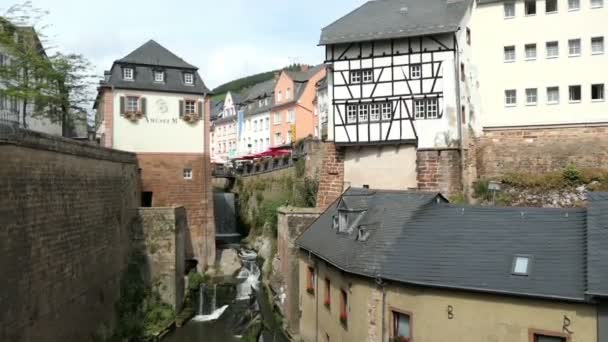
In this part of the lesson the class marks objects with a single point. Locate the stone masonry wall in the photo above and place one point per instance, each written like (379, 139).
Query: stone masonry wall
(162, 240)
(541, 149)
(66, 211)
(291, 223)
(439, 170)
(331, 179)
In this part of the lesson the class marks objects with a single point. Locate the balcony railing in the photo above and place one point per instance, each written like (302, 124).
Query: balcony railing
(9, 122)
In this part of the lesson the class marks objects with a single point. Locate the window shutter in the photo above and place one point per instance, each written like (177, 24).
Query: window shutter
(181, 108)
(122, 105)
(143, 105)
(200, 109)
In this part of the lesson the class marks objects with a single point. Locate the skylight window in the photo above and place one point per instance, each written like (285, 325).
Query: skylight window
(521, 265)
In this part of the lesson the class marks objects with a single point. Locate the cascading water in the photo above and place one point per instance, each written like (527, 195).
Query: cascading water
(207, 305)
(248, 276)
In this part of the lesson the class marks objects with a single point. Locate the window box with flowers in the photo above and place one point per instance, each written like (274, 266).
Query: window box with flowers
(310, 281)
(400, 339)
(190, 111)
(344, 318)
(133, 108)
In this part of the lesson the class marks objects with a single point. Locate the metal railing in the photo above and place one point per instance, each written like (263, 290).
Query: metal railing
(9, 122)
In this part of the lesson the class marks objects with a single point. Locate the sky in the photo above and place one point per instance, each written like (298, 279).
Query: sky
(225, 39)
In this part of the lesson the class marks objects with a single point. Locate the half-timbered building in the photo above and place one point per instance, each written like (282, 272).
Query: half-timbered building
(394, 88)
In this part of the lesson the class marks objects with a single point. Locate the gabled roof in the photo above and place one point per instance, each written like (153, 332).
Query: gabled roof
(597, 237)
(388, 19)
(152, 53)
(417, 239)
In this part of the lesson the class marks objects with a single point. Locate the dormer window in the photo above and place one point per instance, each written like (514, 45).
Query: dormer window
(127, 74)
(521, 265)
(189, 78)
(335, 223)
(342, 222)
(159, 76)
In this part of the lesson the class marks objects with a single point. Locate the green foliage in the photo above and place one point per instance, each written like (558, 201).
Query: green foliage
(481, 189)
(195, 280)
(571, 174)
(568, 177)
(457, 199)
(305, 192)
(253, 332)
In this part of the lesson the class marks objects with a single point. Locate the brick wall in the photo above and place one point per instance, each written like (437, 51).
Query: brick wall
(331, 179)
(66, 210)
(541, 149)
(162, 174)
(439, 170)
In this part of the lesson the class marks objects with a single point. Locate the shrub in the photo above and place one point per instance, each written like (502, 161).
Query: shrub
(481, 189)
(572, 175)
(195, 280)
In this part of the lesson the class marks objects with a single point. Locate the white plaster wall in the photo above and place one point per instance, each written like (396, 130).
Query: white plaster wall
(158, 132)
(491, 32)
(381, 167)
(250, 134)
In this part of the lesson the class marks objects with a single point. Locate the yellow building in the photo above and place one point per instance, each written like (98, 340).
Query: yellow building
(407, 266)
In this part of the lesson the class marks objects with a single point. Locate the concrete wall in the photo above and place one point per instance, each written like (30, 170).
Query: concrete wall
(162, 240)
(66, 209)
(380, 167)
(476, 317)
(291, 223)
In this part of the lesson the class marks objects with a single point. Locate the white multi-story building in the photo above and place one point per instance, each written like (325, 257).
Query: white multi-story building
(321, 103)
(225, 129)
(254, 126)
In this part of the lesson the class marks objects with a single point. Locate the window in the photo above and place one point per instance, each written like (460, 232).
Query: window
(402, 329)
(288, 94)
(291, 116)
(597, 3)
(363, 112)
(374, 112)
(509, 52)
(432, 110)
(553, 95)
(468, 36)
(277, 118)
(574, 47)
(574, 93)
(127, 74)
(509, 9)
(387, 111)
(190, 107)
(288, 138)
(255, 125)
(368, 76)
(279, 96)
(266, 102)
(415, 71)
(355, 76)
(310, 280)
(267, 124)
(159, 76)
(574, 5)
(521, 265)
(552, 49)
(530, 52)
(277, 138)
(419, 109)
(351, 114)
(327, 299)
(530, 7)
(510, 97)
(187, 173)
(189, 78)
(531, 96)
(597, 92)
(132, 104)
(597, 45)
(463, 76)
(547, 338)
(550, 6)
(260, 103)
(343, 307)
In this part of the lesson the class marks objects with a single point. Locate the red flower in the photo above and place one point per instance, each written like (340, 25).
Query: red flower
(326, 302)
(343, 317)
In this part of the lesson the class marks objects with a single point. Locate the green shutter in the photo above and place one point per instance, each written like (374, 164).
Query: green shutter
(143, 105)
(200, 109)
(122, 105)
(181, 108)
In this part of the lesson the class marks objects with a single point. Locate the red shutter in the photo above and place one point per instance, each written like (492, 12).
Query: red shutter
(122, 105)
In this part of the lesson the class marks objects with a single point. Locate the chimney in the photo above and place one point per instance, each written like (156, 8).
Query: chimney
(304, 68)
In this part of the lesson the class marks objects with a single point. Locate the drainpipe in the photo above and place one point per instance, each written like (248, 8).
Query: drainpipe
(382, 285)
(316, 302)
(459, 108)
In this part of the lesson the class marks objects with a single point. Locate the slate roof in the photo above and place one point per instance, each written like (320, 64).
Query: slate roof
(387, 19)
(597, 244)
(301, 79)
(259, 91)
(416, 240)
(149, 57)
(217, 107)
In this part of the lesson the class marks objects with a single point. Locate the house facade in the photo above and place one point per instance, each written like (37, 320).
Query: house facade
(407, 266)
(254, 127)
(225, 129)
(321, 103)
(156, 105)
(395, 94)
(292, 116)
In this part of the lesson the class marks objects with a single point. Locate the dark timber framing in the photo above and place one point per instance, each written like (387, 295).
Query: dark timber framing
(400, 103)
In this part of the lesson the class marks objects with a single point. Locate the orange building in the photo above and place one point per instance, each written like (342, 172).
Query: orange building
(293, 115)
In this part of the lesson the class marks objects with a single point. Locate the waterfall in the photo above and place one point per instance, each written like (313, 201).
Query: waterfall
(201, 299)
(207, 305)
(214, 299)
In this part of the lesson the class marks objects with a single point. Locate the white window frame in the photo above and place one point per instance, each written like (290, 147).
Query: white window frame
(572, 50)
(580, 93)
(527, 48)
(419, 109)
(367, 76)
(128, 74)
(351, 113)
(374, 112)
(159, 76)
(277, 118)
(132, 104)
(363, 113)
(291, 116)
(509, 53)
(386, 111)
(520, 261)
(548, 48)
(599, 40)
(432, 108)
(189, 107)
(188, 174)
(531, 93)
(188, 78)
(597, 3)
(510, 97)
(603, 92)
(574, 5)
(549, 100)
(355, 76)
(277, 138)
(415, 71)
(556, 6)
(511, 6)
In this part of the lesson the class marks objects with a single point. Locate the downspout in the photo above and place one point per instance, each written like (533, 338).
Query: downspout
(316, 302)
(206, 178)
(382, 325)
(459, 108)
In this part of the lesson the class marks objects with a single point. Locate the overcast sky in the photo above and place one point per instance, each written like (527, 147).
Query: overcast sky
(226, 39)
